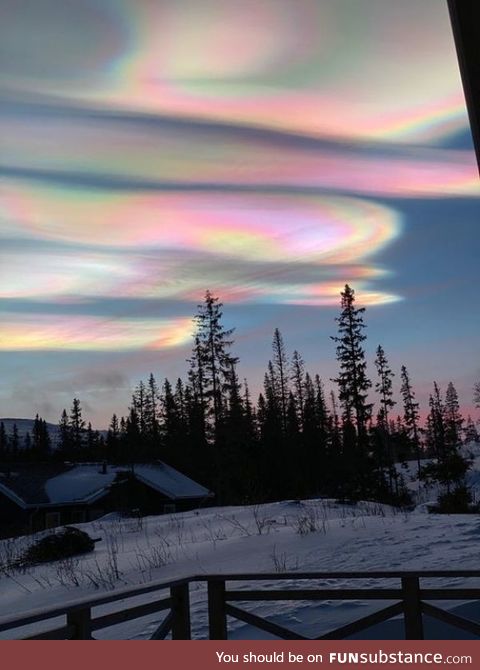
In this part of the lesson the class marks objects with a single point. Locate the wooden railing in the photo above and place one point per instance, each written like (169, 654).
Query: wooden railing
(407, 597)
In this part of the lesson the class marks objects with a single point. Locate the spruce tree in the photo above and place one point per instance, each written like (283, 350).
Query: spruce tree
(113, 439)
(195, 394)
(64, 436)
(140, 403)
(476, 394)
(298, 380)
(151, 418)
(27, 444)
(77, 427)
(14, 441)
(453, 418)
(280, 369)
(40, 439)
(352, 380)
(384, 387)
(450, 466)
(437, 417)
(213, 358)
(411, 415)
(471, 432)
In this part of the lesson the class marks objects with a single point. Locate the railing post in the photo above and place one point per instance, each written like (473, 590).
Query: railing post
(180, 595)
(217, 618)
(81, 620)
(413, 608)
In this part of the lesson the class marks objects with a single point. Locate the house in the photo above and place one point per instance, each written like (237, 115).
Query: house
(38, 496)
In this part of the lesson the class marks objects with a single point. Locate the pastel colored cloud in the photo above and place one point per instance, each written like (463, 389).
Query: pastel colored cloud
(80, 333)
(151, 149)
(258, 247)
(168, 154)
(312, 67)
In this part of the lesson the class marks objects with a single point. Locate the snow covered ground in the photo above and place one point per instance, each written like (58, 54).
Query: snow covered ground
(290, 535)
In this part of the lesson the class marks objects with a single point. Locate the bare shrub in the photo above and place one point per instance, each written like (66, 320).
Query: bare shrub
(214, 533)
(243, 530)
(67, 572)
(153, 557)
(279, 560)
(262, 522)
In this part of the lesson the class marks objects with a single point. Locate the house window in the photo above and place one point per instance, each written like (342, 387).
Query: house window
(52, 519)
(78, 516)
(169, 508)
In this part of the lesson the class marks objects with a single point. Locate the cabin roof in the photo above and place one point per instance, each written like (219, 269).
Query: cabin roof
(46, 485)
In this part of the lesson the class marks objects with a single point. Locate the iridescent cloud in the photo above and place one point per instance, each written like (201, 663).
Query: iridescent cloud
(80, 333)
(259, 226)
(169, 154)
(248, 247)
(156, 148)
(321, 68)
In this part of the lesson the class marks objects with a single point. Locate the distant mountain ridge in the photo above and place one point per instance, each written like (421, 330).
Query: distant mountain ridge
(25, 426)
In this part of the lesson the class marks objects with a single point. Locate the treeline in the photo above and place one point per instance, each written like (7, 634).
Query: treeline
(294, 440)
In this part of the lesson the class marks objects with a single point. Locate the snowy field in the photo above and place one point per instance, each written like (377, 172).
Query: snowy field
(278, 537)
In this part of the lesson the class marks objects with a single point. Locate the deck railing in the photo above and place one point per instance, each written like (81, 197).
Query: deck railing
(407, 597)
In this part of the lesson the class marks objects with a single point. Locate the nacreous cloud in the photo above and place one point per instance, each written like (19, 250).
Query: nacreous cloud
(82, 333)
(249, 247)
(346, 69)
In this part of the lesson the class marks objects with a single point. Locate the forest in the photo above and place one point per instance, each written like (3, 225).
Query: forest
(293, 441)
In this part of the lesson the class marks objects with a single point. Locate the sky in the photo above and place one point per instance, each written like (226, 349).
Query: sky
(267, 150)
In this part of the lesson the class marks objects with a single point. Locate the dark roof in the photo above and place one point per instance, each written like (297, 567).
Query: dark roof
(27, 480)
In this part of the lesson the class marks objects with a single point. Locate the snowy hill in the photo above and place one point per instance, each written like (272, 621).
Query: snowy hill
(290, 535)
(25, 426)
(424, 494)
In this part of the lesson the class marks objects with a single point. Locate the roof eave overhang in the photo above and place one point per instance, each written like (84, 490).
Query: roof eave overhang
(465, 19)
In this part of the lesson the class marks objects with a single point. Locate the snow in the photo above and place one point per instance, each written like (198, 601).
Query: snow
(427, 494)
(86, 482)
(78, 484)
(169, 481)
(335, 537)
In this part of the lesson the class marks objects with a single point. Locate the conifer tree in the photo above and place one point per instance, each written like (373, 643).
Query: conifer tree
(476, 394)
(141, 407)
(65, 435)
(471, 432)
(450, 466)
(113, 438)
(132, 440)
(14, 441)
(171, 422)
(352, 380)
(195, 394)
(213, 343)
(321, 408)
(384, 387)
(453, 418)
(437, 421)
(77, 426)
(40, 439)
(280, 369)
(411, 415)
(298, 380)
(27, 444)
(151, 418)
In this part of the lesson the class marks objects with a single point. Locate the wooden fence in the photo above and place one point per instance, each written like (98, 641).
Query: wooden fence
(407, 596)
